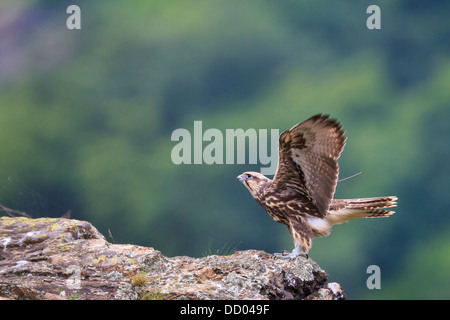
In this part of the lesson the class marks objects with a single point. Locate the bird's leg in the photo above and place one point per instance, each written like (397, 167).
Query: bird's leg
(294, 254)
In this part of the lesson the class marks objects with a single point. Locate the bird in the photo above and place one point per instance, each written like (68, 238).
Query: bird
(300, 195)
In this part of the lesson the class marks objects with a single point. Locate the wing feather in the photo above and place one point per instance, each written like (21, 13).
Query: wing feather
(307, 159)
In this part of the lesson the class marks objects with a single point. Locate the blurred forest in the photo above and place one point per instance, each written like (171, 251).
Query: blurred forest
(86, 118)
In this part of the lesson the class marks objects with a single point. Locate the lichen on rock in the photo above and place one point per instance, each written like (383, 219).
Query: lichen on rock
(43, 258)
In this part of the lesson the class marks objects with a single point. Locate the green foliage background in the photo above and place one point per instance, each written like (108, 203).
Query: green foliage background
(86, 118)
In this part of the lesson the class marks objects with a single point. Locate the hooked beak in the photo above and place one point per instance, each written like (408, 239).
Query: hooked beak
(240, 178)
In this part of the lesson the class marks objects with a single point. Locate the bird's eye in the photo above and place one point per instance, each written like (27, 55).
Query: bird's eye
(248, 176)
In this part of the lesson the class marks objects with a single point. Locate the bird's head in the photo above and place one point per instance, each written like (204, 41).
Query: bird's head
(253, 180)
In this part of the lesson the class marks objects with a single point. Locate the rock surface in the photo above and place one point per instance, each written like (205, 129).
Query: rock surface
(69, 259)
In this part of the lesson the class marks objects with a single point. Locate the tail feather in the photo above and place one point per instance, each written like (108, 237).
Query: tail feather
(342, 210)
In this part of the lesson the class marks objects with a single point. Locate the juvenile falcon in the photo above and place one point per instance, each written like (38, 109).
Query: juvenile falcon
(301, 192)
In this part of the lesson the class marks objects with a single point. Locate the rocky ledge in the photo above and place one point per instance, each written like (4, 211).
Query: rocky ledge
(69, 259)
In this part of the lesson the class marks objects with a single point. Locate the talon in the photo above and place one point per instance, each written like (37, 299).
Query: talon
(292, 255)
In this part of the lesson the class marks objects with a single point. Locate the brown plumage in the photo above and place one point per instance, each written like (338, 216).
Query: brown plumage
(301, 192)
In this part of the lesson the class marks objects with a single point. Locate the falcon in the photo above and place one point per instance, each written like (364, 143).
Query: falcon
(301, 192)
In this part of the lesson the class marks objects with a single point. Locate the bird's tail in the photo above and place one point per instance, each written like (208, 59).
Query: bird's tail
(342, 210)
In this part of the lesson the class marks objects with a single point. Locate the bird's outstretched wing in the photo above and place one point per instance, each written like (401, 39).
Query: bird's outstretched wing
(307, 160)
